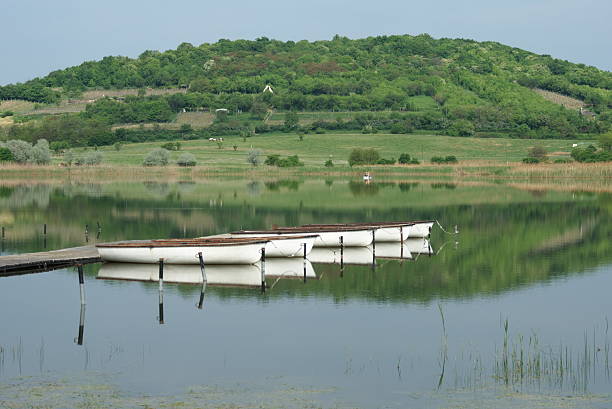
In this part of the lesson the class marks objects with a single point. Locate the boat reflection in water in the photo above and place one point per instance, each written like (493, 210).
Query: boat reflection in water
(338, 255)
(418, 246)
(393, 251)
(244, 275)
(408, 250)
(289, 268)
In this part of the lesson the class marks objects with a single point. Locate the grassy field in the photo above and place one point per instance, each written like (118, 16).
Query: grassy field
(315, 149)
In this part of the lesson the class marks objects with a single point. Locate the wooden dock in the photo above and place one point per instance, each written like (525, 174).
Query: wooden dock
(48, 260)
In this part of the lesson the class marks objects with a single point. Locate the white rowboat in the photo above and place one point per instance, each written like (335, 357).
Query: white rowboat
(214, 251)
(279, 246)
(388, 231)
(327, 237)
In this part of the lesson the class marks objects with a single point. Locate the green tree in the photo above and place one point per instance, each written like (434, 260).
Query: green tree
(186, 159)
(291, 120)
(259, 109)
(157, 157)
(6, 155)
(605, 141)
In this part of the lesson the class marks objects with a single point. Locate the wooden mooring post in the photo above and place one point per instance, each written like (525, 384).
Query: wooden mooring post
(80, 336)
(263, 270)
(373, 249)
(161, 291)
(341, 256)
(304, 246)
(204, 281)
(81, 283)
(402, 243)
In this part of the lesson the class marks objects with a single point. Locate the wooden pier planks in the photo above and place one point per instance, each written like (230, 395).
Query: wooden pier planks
(47, 260)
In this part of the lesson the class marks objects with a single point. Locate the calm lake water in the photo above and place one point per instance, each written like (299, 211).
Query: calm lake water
(516, 305)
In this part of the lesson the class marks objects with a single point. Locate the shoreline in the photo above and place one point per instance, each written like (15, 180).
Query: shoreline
(511, 170)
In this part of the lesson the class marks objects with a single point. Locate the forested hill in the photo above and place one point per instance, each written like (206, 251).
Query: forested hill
(491, 85)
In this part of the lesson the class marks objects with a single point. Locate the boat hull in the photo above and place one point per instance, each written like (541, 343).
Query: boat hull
(392, 234)
(229, 254)
(287, 247)
(353, 238)
(421, 229)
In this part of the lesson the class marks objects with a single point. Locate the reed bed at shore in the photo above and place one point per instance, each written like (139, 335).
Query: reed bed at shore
(563, 170)
(467, 168)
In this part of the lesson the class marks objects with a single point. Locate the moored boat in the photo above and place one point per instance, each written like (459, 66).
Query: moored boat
(389, 231)
(327, 236)
(214, 251)
(280, 246)
(384, 232)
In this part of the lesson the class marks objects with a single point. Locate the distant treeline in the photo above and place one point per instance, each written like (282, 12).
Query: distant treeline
(487, 84)
(94, 128)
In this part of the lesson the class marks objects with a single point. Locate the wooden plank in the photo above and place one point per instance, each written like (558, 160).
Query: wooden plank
(47, 260)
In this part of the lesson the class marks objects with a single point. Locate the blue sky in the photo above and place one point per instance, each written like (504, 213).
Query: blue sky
(41, 36)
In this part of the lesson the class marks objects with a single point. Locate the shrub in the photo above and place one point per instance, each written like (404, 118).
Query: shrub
(563, 160)
(40, 153)
(118, 146)
(531, 160)
(289, 162)
(404, 158)
(157, 157)
(538, 152)
(186, 159)
(403, 127)
(414, 161)
(6, 113)
(440, 159)
(21, 150)
(605, 141)
(272, 160)
(291, 120)
(384, 161)
(186, 128)
(329, 163)
(6, 155)
(89, 158)
(462, 127)
(591, 154)
(69, 158)
(319, 131)
(59, 146)
(363, 156)
(172, 146)
(253, 157)
(451, 159)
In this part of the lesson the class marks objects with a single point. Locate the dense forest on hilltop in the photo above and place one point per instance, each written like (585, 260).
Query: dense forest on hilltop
(454, 86)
